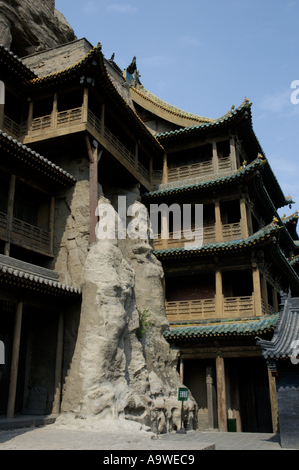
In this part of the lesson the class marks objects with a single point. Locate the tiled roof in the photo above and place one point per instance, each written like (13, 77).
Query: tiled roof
(138, 88)
(226, 119)
(27, 276)
(227, 327)
(242, 173)
(34, 159)
(286, 332)
(15, 63)
(225, 247)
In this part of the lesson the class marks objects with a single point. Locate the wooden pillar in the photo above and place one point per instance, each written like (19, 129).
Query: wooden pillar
(85, 105)
(55, 111)
(264, 293)
(30, 116)
(58, 367)
(15, 361)
(210, 398)
(233, 156)
(2, 104)
(165, 170)
(219, 293)
(257, 297)
(218, 222)
(51, 223)
(94, 157)
(10, 207)
(221, 394)
(215, 157)
(244, 221)
(273, 401)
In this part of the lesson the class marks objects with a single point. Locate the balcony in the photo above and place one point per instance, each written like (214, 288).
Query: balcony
(26, 235)
(195, 173)
(228, 307)
(230, 232)
(76, 120)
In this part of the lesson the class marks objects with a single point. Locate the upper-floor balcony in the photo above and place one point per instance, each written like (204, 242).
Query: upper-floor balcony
(77, 120)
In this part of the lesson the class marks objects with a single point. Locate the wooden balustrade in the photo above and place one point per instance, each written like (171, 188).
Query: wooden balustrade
(24, 234)
(230, 307)
(232, 231)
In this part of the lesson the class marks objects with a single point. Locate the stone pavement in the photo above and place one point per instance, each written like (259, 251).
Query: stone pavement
(129, 436)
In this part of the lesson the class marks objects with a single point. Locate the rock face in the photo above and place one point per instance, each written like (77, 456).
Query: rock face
(29, 26)
(115, 374)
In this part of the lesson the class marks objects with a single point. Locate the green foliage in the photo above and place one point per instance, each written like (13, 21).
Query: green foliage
(144, 322)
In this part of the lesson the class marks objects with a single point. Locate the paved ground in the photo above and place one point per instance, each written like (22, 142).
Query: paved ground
(114, 436)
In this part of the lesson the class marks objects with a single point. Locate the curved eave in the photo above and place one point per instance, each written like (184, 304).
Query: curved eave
(189, 132)
(258, 239)
(223, 329)
(37, 284)
(11, 65)
(34, 160)
(243, 174)
(92, 71)
(164, 110)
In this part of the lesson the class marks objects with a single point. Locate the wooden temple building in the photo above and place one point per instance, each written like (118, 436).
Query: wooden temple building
(218, 297)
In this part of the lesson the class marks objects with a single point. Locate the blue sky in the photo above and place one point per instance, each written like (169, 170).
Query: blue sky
(205, 56)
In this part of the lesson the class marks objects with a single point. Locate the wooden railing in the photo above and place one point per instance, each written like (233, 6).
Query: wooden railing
(69, 117)
(41, 123)
(228, 307)
(29, 235)
(230, 232)
(24, 234)
(190, 310)
(14, 129)
(202, 169)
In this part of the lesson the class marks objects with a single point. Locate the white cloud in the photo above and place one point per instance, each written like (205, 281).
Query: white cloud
(116, 8)
(276, 102)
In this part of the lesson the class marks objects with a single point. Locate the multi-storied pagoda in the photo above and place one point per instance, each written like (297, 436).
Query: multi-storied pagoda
(66, 135)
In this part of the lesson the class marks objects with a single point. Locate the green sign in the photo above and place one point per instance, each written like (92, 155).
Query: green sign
(183, 394)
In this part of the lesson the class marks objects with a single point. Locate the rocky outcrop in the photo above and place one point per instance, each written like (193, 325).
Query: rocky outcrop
(115, 373)
(29, 26)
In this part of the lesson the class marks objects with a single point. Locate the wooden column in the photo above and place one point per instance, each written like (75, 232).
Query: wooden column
(136, 156)
(218, 222)
(257, 290)
(51, 223)
(30, 116)
(10, 207)
(219, 293)
(58, 367)
(210, 397)
(244, 221)
(233, 156)
(273, 401)
(215, 157)
(2, 104)
(165, 170)
(264, 293)
(94, 157)
(151, 169)
(55, 111)
(221, 394)
(15, 361)
(85, 105)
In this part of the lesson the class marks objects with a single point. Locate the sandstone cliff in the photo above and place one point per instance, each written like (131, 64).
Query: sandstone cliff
(29, 26)
(114, 373)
